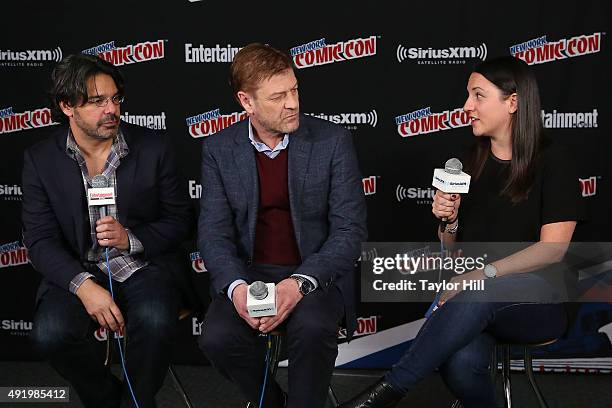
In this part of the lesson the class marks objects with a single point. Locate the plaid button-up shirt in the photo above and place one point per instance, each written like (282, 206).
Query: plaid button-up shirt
(122, 264)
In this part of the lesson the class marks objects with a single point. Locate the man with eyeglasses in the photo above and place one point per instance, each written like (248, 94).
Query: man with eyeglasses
(79, 249)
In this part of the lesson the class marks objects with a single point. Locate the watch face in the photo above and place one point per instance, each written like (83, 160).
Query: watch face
(306, 286)
(490, 271)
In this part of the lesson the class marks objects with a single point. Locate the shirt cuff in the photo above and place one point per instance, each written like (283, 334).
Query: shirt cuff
(136, 246)
(78, 280)
(312, 280)
(232, 286)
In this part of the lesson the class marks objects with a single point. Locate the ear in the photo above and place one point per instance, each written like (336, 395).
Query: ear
(67, 109)
(246, 100)
(513, 103)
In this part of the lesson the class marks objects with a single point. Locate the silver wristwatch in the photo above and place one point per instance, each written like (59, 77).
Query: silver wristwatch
(490, 271)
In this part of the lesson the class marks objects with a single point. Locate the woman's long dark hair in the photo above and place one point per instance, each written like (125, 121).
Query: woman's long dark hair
(511, 75)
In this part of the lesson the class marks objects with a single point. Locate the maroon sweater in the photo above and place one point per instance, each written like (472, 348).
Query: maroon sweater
(274, 236)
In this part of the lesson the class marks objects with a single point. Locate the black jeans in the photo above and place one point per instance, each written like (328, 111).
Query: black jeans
(63, 334)
(238, 352)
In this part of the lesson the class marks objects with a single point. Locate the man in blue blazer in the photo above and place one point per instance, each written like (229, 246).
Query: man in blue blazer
(282, 201)
(68, 240)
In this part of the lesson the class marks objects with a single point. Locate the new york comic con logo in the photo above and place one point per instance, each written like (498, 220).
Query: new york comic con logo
(129, 54)
(318, 52)
(540, 50)
(423, 121)
(13, 254)
(32, 119)
(211, 122)
(441, 56)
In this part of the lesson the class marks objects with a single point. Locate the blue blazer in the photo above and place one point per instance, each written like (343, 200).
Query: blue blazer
(54, 209)
(325, 195)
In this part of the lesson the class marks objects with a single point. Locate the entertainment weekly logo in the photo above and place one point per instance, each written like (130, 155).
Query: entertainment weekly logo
(588, 186)
(10, 193)
(29, 58)
(540, 50)
(569, 120)
(350, 120)
(156, 122)
(216, 54)
(423, 121)
(318, 52)
(31, 119)
(13, 254)
(441, 56)
(421, 195)
(369, 188)
(129, 54)
(211, 122)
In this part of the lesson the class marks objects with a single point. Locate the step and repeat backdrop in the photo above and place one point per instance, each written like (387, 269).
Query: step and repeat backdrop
(395, 75)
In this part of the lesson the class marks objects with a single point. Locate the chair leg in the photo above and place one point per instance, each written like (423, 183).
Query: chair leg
(332, 397)
(506, 375)
(529, 371)
(179, 386)
(493, 367)
(457, 404)
(275, 354)
(107, 360)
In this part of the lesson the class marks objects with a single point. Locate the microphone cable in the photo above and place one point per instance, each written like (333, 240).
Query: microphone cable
(263, 387)
(125, 374)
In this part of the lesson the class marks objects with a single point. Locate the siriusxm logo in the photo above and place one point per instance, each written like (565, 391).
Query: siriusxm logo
(365, 118)
(32, 55)
(422, 195)
(10, 193)
(451, 54)
(16, 327)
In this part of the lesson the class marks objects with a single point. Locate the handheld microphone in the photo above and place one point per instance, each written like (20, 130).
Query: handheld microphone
(100, 194)
(261, 299)
(451, 179)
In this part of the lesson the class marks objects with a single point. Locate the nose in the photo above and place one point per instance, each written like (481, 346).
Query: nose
(468, 106)
(292, 101)
(110, 107)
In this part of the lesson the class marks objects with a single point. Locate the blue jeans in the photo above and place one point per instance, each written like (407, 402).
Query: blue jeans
(459, 337)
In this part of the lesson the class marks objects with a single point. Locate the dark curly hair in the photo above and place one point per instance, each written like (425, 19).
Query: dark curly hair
(69, 81)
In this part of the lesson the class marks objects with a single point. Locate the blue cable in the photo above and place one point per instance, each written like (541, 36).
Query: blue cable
(127, 378)
(263, 387)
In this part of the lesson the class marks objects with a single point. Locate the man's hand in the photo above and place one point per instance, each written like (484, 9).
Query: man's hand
(111, 233)
(287, 297)
(239, 298)
(100, 305)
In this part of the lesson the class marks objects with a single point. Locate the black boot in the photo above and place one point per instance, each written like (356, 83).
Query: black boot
(379, 395)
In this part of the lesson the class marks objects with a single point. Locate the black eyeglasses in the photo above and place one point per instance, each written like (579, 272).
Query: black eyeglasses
(101, 102)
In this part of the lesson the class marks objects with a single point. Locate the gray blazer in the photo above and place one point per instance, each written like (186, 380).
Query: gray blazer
(325, 194)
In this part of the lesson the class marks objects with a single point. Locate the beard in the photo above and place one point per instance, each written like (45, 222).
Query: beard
(104, 129)
(283, 126)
